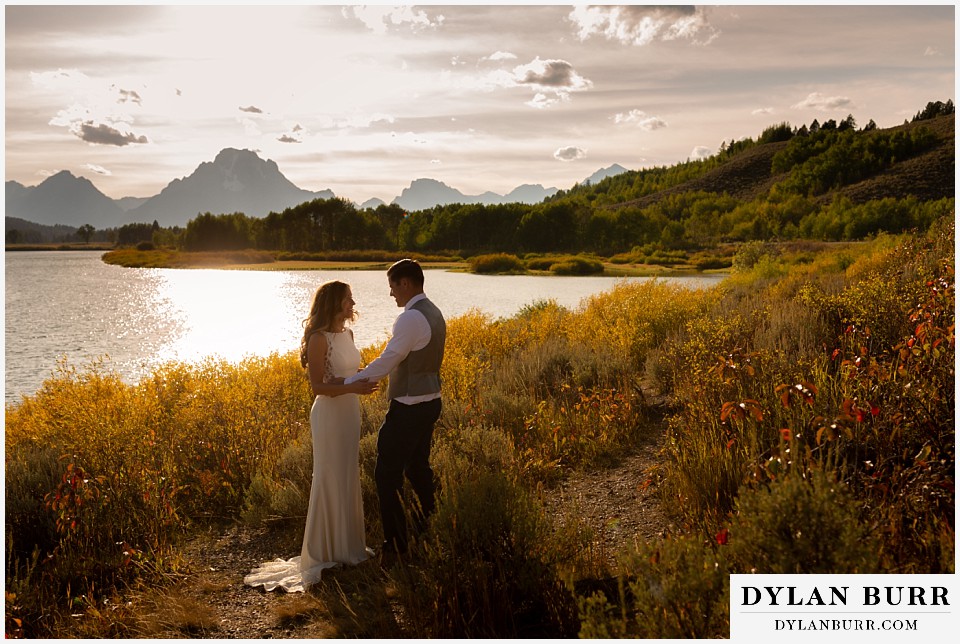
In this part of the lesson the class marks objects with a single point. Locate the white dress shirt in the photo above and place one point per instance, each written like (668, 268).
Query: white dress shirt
(411, 332)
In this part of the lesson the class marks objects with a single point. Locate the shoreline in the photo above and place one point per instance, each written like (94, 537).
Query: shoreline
(100, 246)
(264, 261)
(610, 270)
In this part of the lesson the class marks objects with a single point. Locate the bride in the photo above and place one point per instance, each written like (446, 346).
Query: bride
(334, 533)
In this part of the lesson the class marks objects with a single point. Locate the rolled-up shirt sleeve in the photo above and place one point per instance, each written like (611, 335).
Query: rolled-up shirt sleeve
(411, 332)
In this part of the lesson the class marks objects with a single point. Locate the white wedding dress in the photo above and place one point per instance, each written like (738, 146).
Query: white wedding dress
(334, 532)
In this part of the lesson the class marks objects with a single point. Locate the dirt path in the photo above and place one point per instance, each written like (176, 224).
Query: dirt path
(619, 502)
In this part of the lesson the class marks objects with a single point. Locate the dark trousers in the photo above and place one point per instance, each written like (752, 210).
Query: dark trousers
(403, 449)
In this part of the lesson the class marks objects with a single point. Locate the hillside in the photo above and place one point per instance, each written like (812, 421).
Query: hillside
(931, 175)
(747, 176)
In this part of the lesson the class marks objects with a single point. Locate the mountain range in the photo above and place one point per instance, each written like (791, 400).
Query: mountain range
(235, 181)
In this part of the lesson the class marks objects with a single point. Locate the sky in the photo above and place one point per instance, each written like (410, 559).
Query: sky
(363, 99)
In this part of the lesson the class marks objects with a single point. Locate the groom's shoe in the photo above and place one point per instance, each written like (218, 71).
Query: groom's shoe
(390, 556)
(388, 559)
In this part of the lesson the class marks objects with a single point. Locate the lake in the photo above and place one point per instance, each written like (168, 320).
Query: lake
(70, 304)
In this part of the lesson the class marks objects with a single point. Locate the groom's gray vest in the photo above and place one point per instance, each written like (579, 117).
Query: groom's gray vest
(419, 373)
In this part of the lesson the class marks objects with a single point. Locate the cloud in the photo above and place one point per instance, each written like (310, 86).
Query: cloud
(700, 152)
(552, 75)
(762, 111)
(930, 51)
(551, 80)
(363, 120)
(101, 114)
(818, 101)
(541, 101)
(570, 153)
(641, 119)
(640, 25)
(294, 135)
(98, 169)
(379, 19)
(129, 96)
(250, 109)
(103, 134)
(500, 55)
(546, 77)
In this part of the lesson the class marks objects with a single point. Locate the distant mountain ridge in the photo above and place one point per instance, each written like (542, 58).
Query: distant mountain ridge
(63, 199)
(603, 173)
(427, 193)
(235, 181)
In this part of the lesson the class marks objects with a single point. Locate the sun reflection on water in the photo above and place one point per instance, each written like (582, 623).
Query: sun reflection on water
(228, 314)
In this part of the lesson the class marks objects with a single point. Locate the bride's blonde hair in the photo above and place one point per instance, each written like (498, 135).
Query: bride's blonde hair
(327, 302)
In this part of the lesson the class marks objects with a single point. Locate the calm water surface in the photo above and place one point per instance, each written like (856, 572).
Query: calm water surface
(70, 305)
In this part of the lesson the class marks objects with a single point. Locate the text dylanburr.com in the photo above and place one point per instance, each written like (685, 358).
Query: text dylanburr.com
(847, 608)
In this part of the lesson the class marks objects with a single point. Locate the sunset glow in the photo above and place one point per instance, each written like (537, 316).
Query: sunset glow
(364, 99)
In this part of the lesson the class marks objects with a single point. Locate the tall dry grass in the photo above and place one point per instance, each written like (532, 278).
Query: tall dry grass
(833, 363)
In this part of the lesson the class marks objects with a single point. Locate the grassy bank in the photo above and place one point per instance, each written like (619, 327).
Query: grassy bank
(101, 246)
(811, 392)
(268, 260)
(623, 266)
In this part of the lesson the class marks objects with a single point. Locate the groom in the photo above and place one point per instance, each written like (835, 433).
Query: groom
(412, 359)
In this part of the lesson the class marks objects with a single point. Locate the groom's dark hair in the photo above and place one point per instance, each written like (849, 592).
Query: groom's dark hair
(406, 268)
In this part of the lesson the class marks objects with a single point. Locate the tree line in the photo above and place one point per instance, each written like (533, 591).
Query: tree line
(598, 219)
(601, 218)
(686, 221)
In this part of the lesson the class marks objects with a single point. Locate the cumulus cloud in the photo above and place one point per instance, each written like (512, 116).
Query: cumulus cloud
(762, 111)
(250, 109)
(700, 152)
(500, 55)
(818, 101)
(102, 115)
(552, 81)
(553, 75)
(104, 134)
(288, 138)
(379, 19)
(98, 169)
(930, 51)
(541, 101)
(570, 153)
(100, 129)
(640, 25)
(641, 119)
